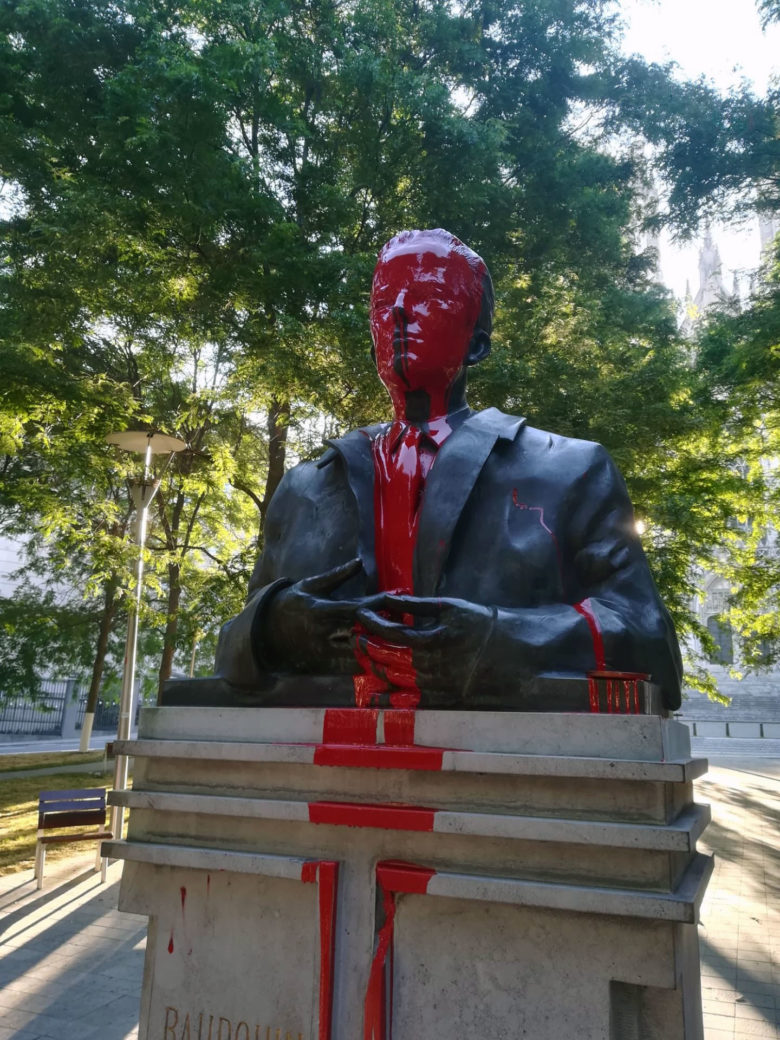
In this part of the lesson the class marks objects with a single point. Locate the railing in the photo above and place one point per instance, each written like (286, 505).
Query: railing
(40, 717)
(45, 716)
(106, 714)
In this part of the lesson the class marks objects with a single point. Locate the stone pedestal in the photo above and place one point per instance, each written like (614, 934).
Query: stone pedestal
(354, 874)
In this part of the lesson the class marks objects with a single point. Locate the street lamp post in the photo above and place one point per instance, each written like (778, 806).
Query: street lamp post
(142, 493)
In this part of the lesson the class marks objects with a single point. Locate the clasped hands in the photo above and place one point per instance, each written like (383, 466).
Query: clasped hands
(425, 642)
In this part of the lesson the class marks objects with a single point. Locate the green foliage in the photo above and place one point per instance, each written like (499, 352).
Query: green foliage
(197, 195)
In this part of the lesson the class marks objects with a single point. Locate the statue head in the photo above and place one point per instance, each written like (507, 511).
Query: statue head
(431, 318)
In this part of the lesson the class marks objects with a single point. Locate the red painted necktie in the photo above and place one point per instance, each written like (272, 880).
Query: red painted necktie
(400, 468)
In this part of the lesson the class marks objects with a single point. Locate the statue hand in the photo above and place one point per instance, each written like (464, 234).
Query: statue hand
(308, 631)
(445, 636)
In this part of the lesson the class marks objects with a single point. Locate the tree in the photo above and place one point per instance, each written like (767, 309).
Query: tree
(203, 189)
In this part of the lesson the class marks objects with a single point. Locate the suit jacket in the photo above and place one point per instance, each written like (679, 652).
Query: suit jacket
(524, 521)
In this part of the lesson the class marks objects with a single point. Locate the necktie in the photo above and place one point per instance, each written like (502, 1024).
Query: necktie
(400, 468)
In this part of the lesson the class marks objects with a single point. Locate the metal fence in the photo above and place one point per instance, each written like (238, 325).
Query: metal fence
(106, 714)
(42, 717)
(46, 715)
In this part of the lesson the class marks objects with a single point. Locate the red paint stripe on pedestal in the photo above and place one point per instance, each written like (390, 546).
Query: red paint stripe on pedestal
(309, 871)
(379, 757)
(328, 876)
(377, 1021)
(385, 817)
(350, 726)
(399, 726)
(325, 872)
(404, 877)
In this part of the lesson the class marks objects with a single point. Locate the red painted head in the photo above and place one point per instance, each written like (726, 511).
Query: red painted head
(431, 316)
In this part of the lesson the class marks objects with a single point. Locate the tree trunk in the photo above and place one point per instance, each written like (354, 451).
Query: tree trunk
(106, 621)
(278, 425)
(171, 625)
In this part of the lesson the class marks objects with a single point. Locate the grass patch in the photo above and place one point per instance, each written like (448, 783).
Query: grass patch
(19, 816)
(48, 760)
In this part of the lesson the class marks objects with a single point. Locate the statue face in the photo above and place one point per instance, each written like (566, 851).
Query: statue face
(425, 301)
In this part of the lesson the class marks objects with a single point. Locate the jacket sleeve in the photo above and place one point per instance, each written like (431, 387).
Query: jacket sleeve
(239, 656)
(310, 527)
(616, 620)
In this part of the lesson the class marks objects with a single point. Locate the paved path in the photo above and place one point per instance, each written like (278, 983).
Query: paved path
(72, 963)
(29, 745)
(740, 921)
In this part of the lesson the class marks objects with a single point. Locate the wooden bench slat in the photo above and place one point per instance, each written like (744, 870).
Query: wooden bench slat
(72, 805)
(82, 792)
(53, 821)
(56, 839)
(64, 810)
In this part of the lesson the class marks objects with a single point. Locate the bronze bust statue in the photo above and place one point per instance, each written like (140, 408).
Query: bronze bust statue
(446, 559)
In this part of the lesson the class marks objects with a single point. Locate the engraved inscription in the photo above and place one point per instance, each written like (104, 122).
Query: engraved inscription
(203, 1026)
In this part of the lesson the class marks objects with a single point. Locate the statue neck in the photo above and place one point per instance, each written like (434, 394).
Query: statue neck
(438, 405)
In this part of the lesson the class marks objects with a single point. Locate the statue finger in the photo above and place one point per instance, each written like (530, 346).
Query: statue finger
(398, 604)
(323, 584)
(397, 632)
(379, 650)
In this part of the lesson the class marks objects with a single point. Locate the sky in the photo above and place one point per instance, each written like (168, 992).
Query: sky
(723, 41)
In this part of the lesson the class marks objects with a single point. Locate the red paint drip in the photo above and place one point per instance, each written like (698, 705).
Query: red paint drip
(425, 301)
(399, 727)
(400, 467)
(183, 892)
(392, 878)
(585, 609)
(383, 817)
(621, 689)
(309, 871)
(170, 943)
(327, 895)
(208, 885)
(375, 1023)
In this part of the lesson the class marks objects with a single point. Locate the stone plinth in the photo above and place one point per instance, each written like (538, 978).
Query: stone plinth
(351, 874)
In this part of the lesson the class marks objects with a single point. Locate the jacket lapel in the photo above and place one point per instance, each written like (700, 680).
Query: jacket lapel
(458, 463)
(355, 451)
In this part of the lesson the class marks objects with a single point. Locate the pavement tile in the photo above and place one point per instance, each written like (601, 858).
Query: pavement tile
(72, 963)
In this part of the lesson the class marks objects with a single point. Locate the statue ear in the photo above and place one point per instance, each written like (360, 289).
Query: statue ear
(478, 348)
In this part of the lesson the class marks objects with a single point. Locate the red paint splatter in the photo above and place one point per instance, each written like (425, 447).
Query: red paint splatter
(400, 467)
(183, 892)
(392, 878)
(586, 610)
(385, 817)
(426, 296)
(170, 943)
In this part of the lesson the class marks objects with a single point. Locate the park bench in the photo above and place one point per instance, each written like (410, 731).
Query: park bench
(71, 811)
